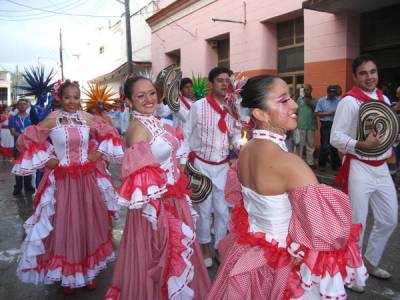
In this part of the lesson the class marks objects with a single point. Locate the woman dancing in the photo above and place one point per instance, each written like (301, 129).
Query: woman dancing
(6, 139)
(68, 237)
(158, 257)
(291, 237)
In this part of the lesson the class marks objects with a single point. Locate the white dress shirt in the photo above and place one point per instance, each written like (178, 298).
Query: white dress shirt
(204, 136)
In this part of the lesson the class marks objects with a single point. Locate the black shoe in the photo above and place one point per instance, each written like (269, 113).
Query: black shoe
(17, 192)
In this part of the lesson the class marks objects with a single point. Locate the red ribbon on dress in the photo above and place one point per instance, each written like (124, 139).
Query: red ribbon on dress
(358, 94)
(342, 178)
(222, 112)
(184, 101)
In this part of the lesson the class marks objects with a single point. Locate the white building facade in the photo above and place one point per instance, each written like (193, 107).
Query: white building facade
(5, 86)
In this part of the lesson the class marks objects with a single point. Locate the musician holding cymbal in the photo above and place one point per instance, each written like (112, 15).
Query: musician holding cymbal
(364, 130)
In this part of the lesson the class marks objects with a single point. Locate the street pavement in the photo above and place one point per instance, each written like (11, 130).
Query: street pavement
(15, 210)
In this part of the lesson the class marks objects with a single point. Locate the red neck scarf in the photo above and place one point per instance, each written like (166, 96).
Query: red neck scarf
(222, 112)
(185, 102)
(358, 94)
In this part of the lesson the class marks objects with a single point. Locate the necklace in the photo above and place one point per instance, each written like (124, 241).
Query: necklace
(271, 136)
(140, 116)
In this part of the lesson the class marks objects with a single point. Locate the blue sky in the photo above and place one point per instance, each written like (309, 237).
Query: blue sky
(29, 36)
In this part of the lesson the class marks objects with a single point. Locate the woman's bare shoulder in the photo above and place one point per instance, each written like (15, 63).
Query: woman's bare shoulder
(294, 170)
(50, 120)
(136, 133)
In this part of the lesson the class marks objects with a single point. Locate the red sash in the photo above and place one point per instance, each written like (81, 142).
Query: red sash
(185, 102)
(222, 112)
(342, 178)
(193, 156)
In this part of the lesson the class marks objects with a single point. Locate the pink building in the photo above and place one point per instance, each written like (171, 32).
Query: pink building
(302, 41)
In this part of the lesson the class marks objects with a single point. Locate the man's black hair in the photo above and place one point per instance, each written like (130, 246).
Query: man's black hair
(185, 81)
(359, 60)
(217, 71)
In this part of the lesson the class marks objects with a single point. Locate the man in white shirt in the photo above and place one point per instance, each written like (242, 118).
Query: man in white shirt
(367, 179)
(210, 129)
(187, 100)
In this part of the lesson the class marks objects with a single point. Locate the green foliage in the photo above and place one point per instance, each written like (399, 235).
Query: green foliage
(199, 86)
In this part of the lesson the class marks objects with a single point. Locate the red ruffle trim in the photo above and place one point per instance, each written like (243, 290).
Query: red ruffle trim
(276, 256)
(179, 189)
(7, 152)
(75, 170)
(29, 151)
(69, 269)
(43, 185)
(333, 262)
(116, 140)
(293, 285)
(113, 293)
(142, 179)
(175, 265)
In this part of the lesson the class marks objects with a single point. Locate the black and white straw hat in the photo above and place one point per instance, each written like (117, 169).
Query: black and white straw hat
(378, 116)
(200, 184)
(168, 86)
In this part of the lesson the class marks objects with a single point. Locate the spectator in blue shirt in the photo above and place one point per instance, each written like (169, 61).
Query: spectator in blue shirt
(17, 125)
(325, 110)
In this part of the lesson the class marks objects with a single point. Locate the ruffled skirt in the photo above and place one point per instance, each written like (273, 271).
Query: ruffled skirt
(6, 142)
(158, 256)
(245, 274)
(68, 236)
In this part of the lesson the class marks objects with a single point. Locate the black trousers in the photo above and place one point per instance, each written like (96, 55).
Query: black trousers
(326, 148)
(21, 181)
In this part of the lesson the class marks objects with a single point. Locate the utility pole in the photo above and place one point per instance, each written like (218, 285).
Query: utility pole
(61, 58)
(128, 37)
(16, 83)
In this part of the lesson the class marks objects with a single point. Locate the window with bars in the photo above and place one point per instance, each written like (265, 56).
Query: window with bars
(174, 57)
(223, 53)
(3, 95)
(291, 46)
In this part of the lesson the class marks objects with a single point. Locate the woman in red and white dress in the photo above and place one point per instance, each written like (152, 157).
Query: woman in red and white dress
(159, 257)
(291, 237)
(6, 139)
(68, 237)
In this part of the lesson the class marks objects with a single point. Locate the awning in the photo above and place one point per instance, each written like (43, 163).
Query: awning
(338, 6)
(121, 72)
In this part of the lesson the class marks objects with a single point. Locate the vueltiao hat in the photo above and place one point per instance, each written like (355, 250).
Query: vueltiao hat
(379, 116)
(200, 184)
(168, 86)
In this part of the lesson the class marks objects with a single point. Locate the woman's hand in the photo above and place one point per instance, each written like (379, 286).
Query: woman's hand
(52, 163)
(94, 156)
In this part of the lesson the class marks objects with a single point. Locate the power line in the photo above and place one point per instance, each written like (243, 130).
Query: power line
(44, 7)
(66, 6)
(60, 13)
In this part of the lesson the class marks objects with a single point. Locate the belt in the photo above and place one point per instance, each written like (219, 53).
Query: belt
(193, 156)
